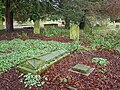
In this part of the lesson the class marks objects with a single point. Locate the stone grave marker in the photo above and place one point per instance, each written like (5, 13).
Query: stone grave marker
(81, 68)
(36, 27)
(38, 64)
(74, 32)
(1, 24)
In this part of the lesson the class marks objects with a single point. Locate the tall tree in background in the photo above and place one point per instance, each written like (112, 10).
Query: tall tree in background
(8, 15)
(21, 10)
(106, 8)
(74, 10)
(71, 10)
(112, 9)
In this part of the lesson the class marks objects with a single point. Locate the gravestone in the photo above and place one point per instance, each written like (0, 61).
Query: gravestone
(74, 32)
(81, 68)
(36, 27)
(1, 24)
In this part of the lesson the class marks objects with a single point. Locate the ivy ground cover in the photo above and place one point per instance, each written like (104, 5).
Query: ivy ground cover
(59, 78)
(15, 51)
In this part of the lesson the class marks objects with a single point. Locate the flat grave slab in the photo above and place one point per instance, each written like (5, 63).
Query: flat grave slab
(40, 63)
(82, 69)
(53, 55)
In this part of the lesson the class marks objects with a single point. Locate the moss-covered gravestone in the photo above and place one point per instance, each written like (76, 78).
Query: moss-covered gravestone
(74, 32)
(36, 27)
(81, 68)
(1, 23)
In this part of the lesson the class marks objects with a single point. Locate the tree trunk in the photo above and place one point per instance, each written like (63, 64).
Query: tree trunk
(9, 17)
(67, 23)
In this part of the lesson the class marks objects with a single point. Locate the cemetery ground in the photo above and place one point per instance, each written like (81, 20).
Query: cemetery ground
(99, 50)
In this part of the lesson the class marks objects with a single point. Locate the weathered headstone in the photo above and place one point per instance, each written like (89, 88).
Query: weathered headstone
(1, 24)
(36, 27)
(74, 32)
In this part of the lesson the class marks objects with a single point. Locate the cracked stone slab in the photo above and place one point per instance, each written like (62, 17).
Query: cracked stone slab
(82, 69)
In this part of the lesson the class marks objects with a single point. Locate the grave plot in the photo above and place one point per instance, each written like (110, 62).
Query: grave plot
(17, 51)
(38, 64)
(82, 69)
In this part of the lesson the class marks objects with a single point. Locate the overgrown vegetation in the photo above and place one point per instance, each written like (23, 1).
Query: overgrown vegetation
(102, 39)
(102, 62)
(31, 80)
(14, 51)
